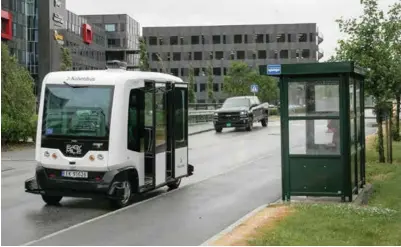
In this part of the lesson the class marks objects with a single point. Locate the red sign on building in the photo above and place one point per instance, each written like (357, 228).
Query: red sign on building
(6, 25)
(87, 33)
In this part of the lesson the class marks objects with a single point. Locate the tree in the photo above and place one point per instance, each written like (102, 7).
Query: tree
(209, 84)
(143, 56)
(240, 77)
(66, 59)
(368, 45)
(191, 85)
(18, 118)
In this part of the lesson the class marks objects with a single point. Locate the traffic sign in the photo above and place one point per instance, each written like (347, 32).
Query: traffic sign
(254, 88)
(274, 69)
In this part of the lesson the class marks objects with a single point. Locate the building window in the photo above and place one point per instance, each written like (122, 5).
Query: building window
(225, 73)
(153, 70)
(203, 39)
(237, 39)
(240, 54)
(110, 27)
(312, 37)
(246, 39)
(224, 39)
(195, 88)
(174, 40)
(216, 39)
(259, 38)
(176, 56)
(262, 54)
(152, 40)
(219, 55)
(215, 87)
(281, 38)
(305, 53)
(174, 71)
(182, 41)
(284, 54)
(267, 38)
(302, 37)
(197, 55)
(289, 38)
(155, 57)
(161, 41)
(217, 71)
(196, 71)
(202, 87)
(195, 40)
(122, 27)
(184, 71)
(188, 56)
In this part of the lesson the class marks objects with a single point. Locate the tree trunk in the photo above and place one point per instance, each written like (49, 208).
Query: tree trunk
(397, 118)
(380, 142)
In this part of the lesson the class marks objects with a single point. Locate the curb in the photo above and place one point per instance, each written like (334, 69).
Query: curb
(199, 132)
(364, 195)
(238, 222)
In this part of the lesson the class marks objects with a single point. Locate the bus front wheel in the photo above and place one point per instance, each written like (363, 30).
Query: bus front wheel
(174, 185)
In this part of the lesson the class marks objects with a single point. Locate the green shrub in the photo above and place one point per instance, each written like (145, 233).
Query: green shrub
(17, 99)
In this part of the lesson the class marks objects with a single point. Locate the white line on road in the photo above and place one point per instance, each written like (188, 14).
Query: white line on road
(139, 203)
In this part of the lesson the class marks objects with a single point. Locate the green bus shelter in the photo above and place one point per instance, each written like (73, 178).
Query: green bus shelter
(322, 128)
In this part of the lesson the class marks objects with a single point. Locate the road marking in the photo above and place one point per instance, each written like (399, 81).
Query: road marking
(141, 202)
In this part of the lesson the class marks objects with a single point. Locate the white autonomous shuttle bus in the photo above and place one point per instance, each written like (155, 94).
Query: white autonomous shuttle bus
(110, 133)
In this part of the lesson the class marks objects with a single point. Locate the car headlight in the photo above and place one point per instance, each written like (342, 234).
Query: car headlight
(243, 113)
(216, 114)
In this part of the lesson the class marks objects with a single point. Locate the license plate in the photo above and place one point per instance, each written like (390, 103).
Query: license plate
(228, 124)
(74, 174)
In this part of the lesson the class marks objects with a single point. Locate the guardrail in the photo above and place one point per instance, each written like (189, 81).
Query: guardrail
(205, 116)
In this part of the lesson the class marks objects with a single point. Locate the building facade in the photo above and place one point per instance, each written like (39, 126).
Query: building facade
(19, 30)
(60, 28)
(122, 33)
(175, 49)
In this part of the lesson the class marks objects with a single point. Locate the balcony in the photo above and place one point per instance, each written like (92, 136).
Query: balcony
(320, 54)
(320, 37)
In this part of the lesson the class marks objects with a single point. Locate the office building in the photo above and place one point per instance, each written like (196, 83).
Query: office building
(257, 45)
(122, 33)
(19, 30)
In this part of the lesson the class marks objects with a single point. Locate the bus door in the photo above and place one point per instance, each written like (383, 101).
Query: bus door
(149, 133)
(160, 124)
(180, 129)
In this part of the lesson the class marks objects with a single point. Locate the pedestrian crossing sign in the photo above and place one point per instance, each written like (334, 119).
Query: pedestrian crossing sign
(254, 88)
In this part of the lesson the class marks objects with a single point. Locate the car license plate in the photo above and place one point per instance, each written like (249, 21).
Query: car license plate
(74, 174)
(228, 124)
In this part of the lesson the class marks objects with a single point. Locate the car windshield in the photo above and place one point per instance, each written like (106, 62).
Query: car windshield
(77, 111)
(236, 102)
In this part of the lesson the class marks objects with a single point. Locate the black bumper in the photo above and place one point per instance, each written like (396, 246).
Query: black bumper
(43, 184)
(239, 123)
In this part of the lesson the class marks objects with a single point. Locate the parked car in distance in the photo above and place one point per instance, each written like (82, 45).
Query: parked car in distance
(241, 112)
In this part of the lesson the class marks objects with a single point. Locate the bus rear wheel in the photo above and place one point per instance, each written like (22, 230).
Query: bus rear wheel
(174, 185)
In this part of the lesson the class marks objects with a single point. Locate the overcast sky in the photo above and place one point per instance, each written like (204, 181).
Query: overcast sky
(226, 12)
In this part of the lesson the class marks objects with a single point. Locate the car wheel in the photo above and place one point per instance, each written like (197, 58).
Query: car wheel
(264, 122)
(52, 200)
(250, 125)
(218, 130)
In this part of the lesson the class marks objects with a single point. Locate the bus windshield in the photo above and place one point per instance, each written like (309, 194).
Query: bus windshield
(77, 111)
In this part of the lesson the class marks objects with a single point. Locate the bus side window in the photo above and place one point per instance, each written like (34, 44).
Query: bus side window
(134, 123)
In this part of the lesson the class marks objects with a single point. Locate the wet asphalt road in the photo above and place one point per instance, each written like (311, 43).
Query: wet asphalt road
(235, 172)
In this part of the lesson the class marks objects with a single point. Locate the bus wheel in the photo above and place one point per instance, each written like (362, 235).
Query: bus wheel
(127, 195)
(174, 185)
(52, 200)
